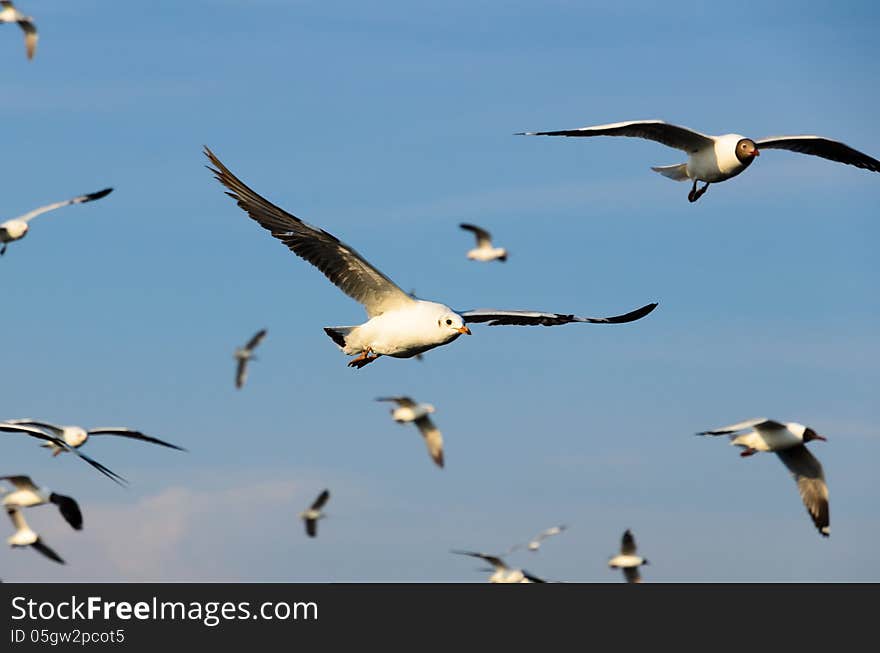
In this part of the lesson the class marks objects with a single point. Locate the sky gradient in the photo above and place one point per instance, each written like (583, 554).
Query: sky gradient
(387, 126)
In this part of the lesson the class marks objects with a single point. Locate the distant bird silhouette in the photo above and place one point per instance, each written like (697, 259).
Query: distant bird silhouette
(246, 354)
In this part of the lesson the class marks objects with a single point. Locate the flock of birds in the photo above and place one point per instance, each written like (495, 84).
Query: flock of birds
(401, 325)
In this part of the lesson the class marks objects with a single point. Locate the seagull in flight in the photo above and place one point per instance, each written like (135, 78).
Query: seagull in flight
(313, 514)
(787, 440)
(17, 228)
(26, 494)
(10, 14)
(398, 325)
(75, 436)
(501, 573)
(59, 444)
(24, 536)
(627, 560)
(484, 251)
(712, 159)
(246, 354)
(409, 411)
(535, 543)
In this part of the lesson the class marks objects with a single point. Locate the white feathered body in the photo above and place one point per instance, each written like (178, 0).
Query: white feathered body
(771, 439)
(13, 230)
(404, 332)
(626, 561)
(716, 163)
(411, 413)
(487, 254)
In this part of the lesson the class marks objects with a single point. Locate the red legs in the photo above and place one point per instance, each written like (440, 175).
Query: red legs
(365, 358)
(748, 452)
(695, 194)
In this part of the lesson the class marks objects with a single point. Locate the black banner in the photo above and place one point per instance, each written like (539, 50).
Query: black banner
(238, 616)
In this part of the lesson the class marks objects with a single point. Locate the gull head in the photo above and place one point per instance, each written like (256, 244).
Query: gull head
(810, 434)
(452, 323)
(746, 150)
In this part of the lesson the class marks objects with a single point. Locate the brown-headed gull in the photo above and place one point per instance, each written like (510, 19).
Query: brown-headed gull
(246, 354)
(314, 513)
(75, 436)
(24, 536)
(10, 14)
(26, 495)
(484, 251)
(398, 325)
(58, 443)
(408, 410)
(787, 440)
(627, 560)
(17, 228)
(501, 573)
(712, 159)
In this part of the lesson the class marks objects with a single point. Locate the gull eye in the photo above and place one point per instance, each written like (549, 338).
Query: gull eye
(448, 322)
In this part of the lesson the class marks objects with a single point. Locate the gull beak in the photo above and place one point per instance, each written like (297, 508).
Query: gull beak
(757, 152)
(821, 437)
(464, 329)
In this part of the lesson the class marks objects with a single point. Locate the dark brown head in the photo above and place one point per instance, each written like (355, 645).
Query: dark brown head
(810, 434)
(746, 150)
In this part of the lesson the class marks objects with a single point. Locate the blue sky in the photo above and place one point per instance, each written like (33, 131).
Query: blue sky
(388, 125)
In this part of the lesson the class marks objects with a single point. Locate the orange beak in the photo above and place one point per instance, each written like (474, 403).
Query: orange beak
(757, 153)
(464, 329)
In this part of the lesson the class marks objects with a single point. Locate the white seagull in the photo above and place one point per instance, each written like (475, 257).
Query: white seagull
(786, 440)
(26, 494)
(24, 536)
(484, 251)
(627, 560)
(409, 411)
(712, 159)
(535, 543)
(75, 436)
(501, 573)
(17, 228)
(313, 514)
(246, 354)
(58, 443)
(398, 325)
(9, 14)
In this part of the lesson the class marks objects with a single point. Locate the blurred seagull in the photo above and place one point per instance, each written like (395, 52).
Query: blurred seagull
(246, 354)
(24, 536)
(627, 560)
(484, 250)
(9, 14)
(409, 411)
(17, 228)
(501, 573)
(713, 159)
(26, 495)
(75, 436)
(313, 514)
(535, 543)
(786, 440)
(398, 325)
(58, 443)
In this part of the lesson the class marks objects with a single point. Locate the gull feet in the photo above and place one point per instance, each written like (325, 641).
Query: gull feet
(365, 358)
(695, 194)
(748, 452)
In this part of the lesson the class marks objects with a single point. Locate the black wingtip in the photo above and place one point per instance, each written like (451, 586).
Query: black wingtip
(98, 195)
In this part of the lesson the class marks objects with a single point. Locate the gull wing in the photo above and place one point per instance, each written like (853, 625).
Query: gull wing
(341, 264)
(823, 147)
(131, 433)
(484, 238)
(57, 205)
(321, 500)
(433, 439)
(680, 138)
(497, 317)
(758, 423)
(402, 401)
(810, 478)
(628, 543)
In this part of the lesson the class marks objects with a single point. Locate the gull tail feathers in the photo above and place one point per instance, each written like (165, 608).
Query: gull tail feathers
(677, 172)
(339, 333)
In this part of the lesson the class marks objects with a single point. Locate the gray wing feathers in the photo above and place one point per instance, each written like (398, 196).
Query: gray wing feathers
(810, 479)
(497, 317)
(341, 264)
(823, 147)
(680, 138)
